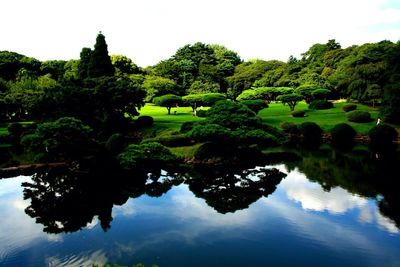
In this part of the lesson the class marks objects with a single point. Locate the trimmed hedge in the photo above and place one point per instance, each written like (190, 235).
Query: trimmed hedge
(343, 135)
(382, 137)
(320, 104)
(349, 107)
(147, 154)
(359, 116)
(144, 121)
(298, 113)
(312, 133)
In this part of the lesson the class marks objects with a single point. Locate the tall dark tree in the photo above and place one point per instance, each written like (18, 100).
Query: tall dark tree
(100, 62)
(83, 66)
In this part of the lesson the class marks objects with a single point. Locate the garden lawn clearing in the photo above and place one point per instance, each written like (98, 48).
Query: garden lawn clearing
(277, 113)
(164, 123)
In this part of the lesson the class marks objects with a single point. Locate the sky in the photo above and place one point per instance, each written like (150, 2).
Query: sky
(148, 31)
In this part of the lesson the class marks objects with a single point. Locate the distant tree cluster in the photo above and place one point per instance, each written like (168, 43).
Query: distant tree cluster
(367, 73)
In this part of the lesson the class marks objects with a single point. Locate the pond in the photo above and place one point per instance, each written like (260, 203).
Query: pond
(327, 209)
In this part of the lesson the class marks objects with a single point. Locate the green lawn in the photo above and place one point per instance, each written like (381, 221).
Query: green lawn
(164, 123)
(277, 113)
(274, 115)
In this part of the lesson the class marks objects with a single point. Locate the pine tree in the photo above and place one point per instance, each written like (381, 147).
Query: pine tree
(83, 66)
(100, 62)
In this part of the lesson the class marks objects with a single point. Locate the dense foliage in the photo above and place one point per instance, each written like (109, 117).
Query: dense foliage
(146, 154)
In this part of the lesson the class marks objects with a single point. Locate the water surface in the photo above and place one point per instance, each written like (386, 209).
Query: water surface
(292, 221)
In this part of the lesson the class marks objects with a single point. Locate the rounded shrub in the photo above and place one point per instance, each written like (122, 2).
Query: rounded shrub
(298, 113)
(349, 107)
(257, 136)
(144, 121)
(115, 143)
(358, 116)
(146, 154)
(382, 137)
(343, 136)
(320, 104)
(312, 133)
(289, 127)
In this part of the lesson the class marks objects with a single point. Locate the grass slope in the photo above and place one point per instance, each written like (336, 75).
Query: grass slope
(164, 123)
(274, 115)
(326, 119)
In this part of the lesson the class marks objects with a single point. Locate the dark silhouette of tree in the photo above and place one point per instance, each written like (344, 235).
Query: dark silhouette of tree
(100, 62)
(83, 66)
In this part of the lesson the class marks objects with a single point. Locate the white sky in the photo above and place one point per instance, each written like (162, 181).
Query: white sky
(148, 31)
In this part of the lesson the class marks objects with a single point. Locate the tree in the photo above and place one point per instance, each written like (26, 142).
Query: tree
(124, 65)
(168, 101)
(290, 99)
(156, 86)
(320, 93)
(83, 67)
(71, 70)
(100, 62)
(245, 75)
(199, 87)
(53, 67)
(64, 139)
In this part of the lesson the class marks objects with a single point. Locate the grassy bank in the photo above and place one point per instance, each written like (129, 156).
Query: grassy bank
(274, 115)
(326, 119)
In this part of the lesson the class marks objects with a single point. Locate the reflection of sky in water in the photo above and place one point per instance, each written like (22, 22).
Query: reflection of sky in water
(299, 222)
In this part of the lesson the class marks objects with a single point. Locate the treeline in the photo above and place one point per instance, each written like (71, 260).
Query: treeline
(102, 86)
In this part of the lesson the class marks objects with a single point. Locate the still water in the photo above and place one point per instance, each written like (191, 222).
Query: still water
(295, 220)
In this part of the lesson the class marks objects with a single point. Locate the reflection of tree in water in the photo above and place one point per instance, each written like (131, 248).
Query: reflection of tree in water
(227, 189)
(360, 173)
(66, 201)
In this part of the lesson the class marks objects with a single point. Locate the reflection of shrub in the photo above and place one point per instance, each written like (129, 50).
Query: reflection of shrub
(311, 133)
(144, 121)
(201, 113)
(298, 113)
(320, 104)
(255, 105)
(289, 127)
(358, 116)
(382, 137)
(349, 107)
(343, 135)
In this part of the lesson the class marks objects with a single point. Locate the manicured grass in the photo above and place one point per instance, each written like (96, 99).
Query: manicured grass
(277, 113)
(164, 123)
